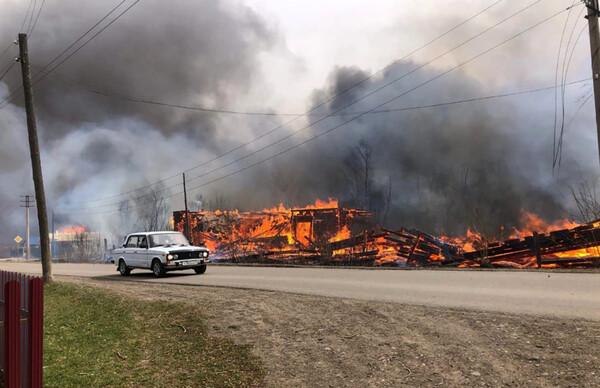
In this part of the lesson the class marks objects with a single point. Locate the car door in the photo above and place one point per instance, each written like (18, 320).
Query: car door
(141, 254)
(129, 251)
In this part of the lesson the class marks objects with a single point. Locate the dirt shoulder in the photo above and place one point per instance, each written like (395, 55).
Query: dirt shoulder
(309, 341)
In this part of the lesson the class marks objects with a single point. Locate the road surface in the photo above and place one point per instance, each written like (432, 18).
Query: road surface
(575, 295)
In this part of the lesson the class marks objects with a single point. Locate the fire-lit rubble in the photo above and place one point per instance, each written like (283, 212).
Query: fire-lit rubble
(327, 234)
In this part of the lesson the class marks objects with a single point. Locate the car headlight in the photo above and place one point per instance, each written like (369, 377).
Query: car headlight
(171, 257)
(205, 254)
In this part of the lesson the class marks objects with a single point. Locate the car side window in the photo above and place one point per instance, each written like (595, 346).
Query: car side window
(142, 242)
(132, 242)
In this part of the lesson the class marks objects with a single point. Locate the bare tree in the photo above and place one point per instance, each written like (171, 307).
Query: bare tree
(146, 211)
(82, 247)
(152, 212)
(586, 199)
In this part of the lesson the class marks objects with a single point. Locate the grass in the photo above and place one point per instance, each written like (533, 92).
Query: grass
(95, 338)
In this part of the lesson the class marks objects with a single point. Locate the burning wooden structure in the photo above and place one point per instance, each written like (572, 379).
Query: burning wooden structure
(325, 233)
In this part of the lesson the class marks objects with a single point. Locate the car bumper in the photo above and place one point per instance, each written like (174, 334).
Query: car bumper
(185, 264)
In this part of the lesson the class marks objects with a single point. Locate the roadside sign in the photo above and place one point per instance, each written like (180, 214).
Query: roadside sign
(18, 239)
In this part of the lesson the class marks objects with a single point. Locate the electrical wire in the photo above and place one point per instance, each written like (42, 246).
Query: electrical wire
(6, 49)
(26, 14)
(36, 18)
(9, 98)
(558, 151)
(320, 134)
(7, 69)
(563, 91)
(31, 17)
(21, 29)
(341, 114)
(562, 37)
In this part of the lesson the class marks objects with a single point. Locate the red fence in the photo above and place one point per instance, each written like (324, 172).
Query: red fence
(21, 330)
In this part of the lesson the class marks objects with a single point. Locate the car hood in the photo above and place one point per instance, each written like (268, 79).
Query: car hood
(175, 249)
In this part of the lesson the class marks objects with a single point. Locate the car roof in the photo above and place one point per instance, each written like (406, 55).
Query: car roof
(147, 233)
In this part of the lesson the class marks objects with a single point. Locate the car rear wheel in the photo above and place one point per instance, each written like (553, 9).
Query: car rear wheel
(158, 269)
(123, 269)
(200, 270)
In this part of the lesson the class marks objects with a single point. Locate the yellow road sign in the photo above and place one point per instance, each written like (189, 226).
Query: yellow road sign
(18, 239)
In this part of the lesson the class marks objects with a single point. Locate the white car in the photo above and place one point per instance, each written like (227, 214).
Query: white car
(159, 252)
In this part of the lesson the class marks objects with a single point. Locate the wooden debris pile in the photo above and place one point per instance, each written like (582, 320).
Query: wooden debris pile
(577, 247)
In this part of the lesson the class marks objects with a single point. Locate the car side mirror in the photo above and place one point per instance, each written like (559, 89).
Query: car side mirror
(124, 245)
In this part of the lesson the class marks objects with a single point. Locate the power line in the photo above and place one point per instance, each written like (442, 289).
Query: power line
(31, 17)
(562, 93)
(562, 37)
(401, 109)
(26, 14)
(558, 156)
(10, 97)
(45, 74)
(7, 48)
(37, 17)
(20, 30)
(322, 133)
(7, 69)
(317, 114)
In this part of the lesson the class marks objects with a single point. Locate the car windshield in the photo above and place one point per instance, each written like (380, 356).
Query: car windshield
(167, 239)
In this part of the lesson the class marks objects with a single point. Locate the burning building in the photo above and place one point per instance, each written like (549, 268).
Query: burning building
(278, 233)
(326, 233)
(75, 243)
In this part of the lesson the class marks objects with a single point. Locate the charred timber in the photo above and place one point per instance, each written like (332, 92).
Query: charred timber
(556, 242)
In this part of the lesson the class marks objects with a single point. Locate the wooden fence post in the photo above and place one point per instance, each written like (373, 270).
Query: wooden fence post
(36, 332)
(12, 335)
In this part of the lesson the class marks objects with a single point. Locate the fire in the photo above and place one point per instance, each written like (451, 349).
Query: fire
(325, 232)
(533, 223)
(274, 232)
(71, 229)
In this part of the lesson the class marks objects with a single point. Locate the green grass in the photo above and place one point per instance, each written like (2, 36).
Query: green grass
(95, 338)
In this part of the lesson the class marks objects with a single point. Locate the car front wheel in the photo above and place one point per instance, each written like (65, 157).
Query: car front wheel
(123, 269)
(200, 270)
(158, 269)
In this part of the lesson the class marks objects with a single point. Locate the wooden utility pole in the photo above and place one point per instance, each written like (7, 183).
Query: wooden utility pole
(52, 242)
(592, 17)
(186, 226)
(36, 162)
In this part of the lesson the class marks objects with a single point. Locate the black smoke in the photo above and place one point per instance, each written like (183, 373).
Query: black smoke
(441, 169)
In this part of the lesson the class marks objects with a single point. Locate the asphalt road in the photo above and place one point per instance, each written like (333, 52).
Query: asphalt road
(575, 295)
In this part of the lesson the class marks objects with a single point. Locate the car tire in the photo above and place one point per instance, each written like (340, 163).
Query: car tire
(200, 270)
(124, 270)
(158, 269)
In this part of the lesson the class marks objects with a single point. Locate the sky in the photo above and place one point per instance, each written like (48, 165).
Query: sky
(493, 157)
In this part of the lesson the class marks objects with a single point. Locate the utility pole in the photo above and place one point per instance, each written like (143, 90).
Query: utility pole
(52, 243)
(26, 203)
(592, 17)
(186, 226)
(36, 162)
